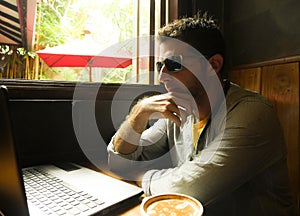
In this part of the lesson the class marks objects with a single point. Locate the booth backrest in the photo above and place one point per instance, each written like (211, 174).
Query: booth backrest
(43, 116)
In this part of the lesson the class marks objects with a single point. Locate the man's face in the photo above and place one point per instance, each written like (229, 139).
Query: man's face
(190, 77)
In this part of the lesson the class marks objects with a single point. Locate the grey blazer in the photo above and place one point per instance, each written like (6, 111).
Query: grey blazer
(240, 168)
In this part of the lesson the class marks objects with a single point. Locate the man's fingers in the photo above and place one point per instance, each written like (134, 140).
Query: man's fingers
(175, 107)
(174, 118)
(184, 101)
(169, 115)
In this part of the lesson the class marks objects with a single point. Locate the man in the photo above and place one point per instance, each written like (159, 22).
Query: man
(213, 140)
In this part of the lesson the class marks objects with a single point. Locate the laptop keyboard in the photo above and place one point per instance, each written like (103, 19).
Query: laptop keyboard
(55, 197)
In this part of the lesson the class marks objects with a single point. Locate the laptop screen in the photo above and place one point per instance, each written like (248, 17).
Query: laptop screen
(12, 195)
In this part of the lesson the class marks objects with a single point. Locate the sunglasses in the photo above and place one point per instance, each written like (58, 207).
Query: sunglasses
(172, 63)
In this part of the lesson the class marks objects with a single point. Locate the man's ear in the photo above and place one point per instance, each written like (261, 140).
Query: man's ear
(216, 62)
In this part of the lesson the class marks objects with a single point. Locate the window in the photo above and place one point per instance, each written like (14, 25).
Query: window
(105, 23)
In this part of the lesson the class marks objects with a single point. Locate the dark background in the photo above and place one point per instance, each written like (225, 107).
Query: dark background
(255, 30)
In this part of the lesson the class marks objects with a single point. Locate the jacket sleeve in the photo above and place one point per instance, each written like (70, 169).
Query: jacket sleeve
(152, 145)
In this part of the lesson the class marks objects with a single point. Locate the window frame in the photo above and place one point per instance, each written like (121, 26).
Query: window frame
(168, 12)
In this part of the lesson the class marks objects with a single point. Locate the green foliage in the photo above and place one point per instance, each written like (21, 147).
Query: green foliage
(20, 51)
(121, 16)
(116, 75)
(60, 21)
(5, 50)
(64, 20)
(57, 22)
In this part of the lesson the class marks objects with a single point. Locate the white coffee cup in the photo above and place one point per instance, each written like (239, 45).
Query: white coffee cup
(171, 204)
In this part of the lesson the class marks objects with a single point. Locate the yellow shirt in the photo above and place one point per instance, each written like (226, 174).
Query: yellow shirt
(197, 129)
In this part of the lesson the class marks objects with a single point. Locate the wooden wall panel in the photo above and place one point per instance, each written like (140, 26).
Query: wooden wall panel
(247, 78)
(280, 84)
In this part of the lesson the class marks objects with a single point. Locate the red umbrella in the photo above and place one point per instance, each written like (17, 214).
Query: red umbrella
(85, 53)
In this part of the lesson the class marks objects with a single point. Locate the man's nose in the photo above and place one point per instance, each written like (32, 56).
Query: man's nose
(163, 74)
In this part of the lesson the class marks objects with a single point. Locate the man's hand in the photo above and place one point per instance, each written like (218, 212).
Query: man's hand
(173, 106)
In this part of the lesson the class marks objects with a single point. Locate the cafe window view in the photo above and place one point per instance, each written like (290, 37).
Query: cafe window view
(89, 41)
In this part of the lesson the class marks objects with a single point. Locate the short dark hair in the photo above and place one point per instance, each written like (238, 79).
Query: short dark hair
(200, 31)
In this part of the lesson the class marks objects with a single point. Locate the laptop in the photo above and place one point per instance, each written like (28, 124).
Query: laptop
(55, 189)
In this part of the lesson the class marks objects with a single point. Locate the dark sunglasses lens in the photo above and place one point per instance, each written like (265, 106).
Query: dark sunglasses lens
(159, 65)
(173, 63)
